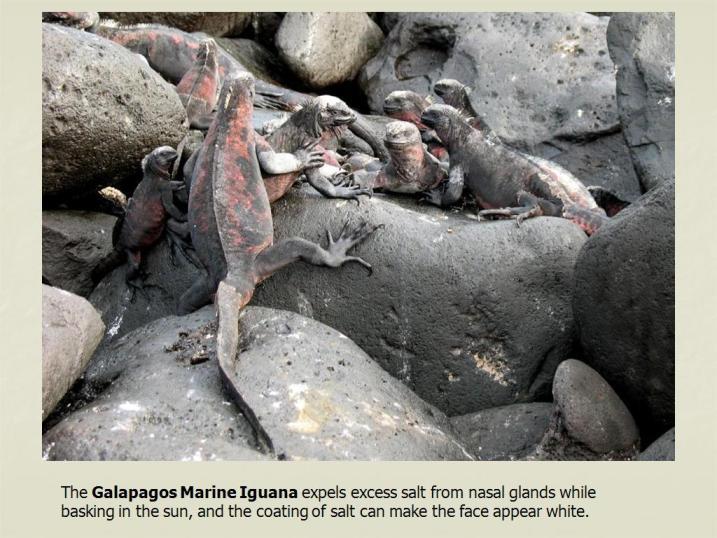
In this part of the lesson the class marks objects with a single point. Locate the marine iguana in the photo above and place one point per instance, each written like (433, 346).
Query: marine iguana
(229, 212)
(405, 105)
(232, 229)
(145, 217)
(199, 86)
(505, 182)
(172, 52)
(457, 95)
(318, 121)
(411, 168)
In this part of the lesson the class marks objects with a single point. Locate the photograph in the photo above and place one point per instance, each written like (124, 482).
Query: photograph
(358, 236)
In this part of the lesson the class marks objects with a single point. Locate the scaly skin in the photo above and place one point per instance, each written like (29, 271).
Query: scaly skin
(320, 120)
(145, 217)
(199, 86)
(505, 182)
(229, 212)
(457, 95)
(404, 105)
(411, 168)
(172, 52)
(232, 229)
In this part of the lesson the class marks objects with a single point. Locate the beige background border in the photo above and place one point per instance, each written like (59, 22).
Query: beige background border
(635, 499)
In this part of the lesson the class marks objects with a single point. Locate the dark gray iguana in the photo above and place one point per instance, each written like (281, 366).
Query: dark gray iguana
(506, 182)
(457, 95)
(148, 213)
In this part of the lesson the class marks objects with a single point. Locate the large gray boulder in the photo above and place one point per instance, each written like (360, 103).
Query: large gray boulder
(71, 330)
(152, 403)
(215, 23)
(317, 395)
(471, 315)
(259, 61)
(103, 110)
(504, 433)
(642, 45)
(73, 242)
(323, 49)
(536, 77)
(625, 307)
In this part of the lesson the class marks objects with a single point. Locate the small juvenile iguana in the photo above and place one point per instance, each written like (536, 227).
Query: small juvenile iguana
(145, 217)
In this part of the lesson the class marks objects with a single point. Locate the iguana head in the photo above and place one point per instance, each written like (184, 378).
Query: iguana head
(159, 161)
(400, 134)
(323, 113)
(447, 122)
(333, 112)
(405, 106)
(451, 91)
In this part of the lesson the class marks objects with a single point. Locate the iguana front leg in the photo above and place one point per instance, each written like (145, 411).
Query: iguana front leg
(295, 248)
(317, 180)
(168, 202)
(449, 192)
(273, 163)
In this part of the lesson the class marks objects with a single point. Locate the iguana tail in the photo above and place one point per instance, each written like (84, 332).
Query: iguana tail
(589, 220)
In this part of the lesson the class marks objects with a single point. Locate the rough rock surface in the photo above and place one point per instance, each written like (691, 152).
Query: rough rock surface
(590, 411)
(258, 61)
(604, 161)
(71, 330)
(73, 242)
(642, 45)
(103, 110)
(628, 267)
(503, 433)
(327, 48)
(163, 286)
(218, 23)
(663, 449)
(536, 77)
(471, 315)
(153, 403)
(317, 395)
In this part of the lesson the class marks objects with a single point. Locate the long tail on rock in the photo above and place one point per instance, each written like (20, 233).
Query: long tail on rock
(589, 221)
(228, 303)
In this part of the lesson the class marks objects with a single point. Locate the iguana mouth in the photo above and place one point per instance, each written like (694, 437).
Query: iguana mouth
(429, 120)
(343, 120)
(440, 90)
(390, 109)
(397, 143)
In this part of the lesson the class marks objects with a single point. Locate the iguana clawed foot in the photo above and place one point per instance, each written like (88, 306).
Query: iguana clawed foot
(310, 157)
(347, 239)
(518, 213)
(270, 100)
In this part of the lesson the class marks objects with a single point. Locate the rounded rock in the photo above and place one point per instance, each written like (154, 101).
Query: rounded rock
(591, 411)
(103, 109)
